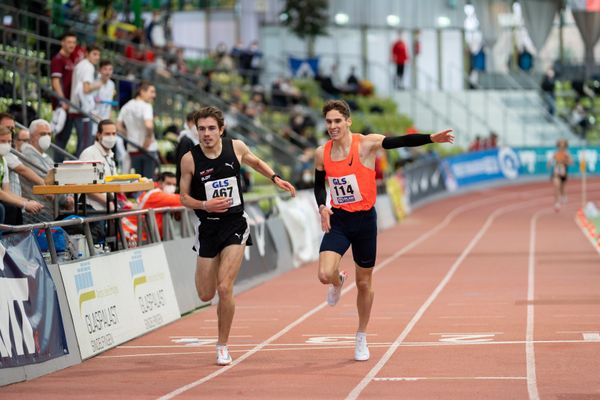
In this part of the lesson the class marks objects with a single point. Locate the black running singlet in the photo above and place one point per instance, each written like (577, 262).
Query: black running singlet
(219, 177)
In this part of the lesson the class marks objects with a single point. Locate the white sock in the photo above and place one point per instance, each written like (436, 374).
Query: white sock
(361, 335)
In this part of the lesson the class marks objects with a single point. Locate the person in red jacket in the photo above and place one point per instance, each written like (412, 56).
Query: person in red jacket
(400, 58)
(163, 195)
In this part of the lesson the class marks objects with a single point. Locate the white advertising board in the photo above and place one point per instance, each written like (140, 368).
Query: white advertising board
(117, 297)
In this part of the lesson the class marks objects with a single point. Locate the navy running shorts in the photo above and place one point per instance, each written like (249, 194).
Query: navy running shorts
(216, 233)
(359, 229)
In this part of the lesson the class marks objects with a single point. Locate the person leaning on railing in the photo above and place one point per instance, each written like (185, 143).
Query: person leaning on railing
(12, 204)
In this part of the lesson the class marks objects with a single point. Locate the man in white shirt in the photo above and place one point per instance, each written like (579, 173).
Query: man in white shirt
(104, 103)
(101, 150)
(15, 166)
(136, 121)
(84, 85)
(103, 97)
(12, 204)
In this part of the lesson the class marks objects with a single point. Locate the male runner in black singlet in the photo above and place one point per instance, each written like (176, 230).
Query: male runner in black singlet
(211, 185)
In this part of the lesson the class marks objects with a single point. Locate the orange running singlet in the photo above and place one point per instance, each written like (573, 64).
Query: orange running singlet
(561, 158)
(351, 184)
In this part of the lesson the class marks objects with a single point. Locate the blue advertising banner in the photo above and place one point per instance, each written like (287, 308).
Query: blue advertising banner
(31, 329)
(480, 166)
(535, 161)
(304, 67)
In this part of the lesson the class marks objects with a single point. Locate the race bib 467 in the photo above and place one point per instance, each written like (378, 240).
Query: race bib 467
(226, 187)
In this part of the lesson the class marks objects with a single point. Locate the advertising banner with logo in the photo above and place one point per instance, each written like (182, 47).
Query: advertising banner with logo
(423, 179)
(117, 297)
(261, 257)
(535, 161)
(31, 329)
(480, 167)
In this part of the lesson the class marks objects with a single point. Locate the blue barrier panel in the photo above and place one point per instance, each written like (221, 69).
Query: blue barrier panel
(31, 329)
(534, 160)
(480, 166)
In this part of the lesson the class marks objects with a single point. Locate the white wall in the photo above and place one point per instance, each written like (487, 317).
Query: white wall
(343, 47)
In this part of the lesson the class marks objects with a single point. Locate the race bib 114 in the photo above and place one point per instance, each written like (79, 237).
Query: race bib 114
(344, 189)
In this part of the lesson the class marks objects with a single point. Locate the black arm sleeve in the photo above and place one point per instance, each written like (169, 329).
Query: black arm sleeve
(320, 192)
(412, 140)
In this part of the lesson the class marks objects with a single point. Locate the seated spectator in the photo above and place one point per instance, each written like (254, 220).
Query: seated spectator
(13, 204)
(163, 195)
(326, 84)
(223, 61)
(35, 152)
(21, 138)
(579, 119)
(15, 166)
(352, 83)
(101, 150)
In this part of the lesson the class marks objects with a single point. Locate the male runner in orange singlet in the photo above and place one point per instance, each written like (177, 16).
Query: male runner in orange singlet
(348, 161)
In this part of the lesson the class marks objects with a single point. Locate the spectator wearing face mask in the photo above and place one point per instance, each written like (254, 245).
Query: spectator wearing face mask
(40, 136)
(15, 166)
(163, 195)
(101, 150)
(13, 205)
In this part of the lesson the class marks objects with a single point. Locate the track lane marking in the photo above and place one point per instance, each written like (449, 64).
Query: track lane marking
(421, 311)
(446, 221)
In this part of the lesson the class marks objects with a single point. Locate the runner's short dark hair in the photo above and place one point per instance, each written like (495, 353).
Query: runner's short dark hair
(210, 112)
(339, 105)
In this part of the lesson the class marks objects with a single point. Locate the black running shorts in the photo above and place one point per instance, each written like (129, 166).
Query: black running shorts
(359, 229)
(216, 233)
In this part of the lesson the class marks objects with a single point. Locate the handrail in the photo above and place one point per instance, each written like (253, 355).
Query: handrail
(455, 99)
(148, 224)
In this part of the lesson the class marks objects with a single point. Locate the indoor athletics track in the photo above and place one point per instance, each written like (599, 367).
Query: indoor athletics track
(487, 295)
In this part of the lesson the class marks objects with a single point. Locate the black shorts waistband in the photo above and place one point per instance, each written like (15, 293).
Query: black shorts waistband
(341, 211)
(214, 217)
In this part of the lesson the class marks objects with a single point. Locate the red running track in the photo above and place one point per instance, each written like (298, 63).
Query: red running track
(488, 295)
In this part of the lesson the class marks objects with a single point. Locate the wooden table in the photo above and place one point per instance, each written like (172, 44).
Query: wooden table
(80, 191)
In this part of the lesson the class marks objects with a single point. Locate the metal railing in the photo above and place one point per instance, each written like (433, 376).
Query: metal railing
(146, 227)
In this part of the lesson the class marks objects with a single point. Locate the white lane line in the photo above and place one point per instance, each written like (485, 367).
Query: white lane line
(450, 378)
(449, 217)
(388, 354)
(283, 347)
(472, 316)
(529, 348)
(248, 320)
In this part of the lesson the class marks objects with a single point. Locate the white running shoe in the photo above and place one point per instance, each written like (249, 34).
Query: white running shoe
(334, 292)
(361, 350)
(223, 357)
